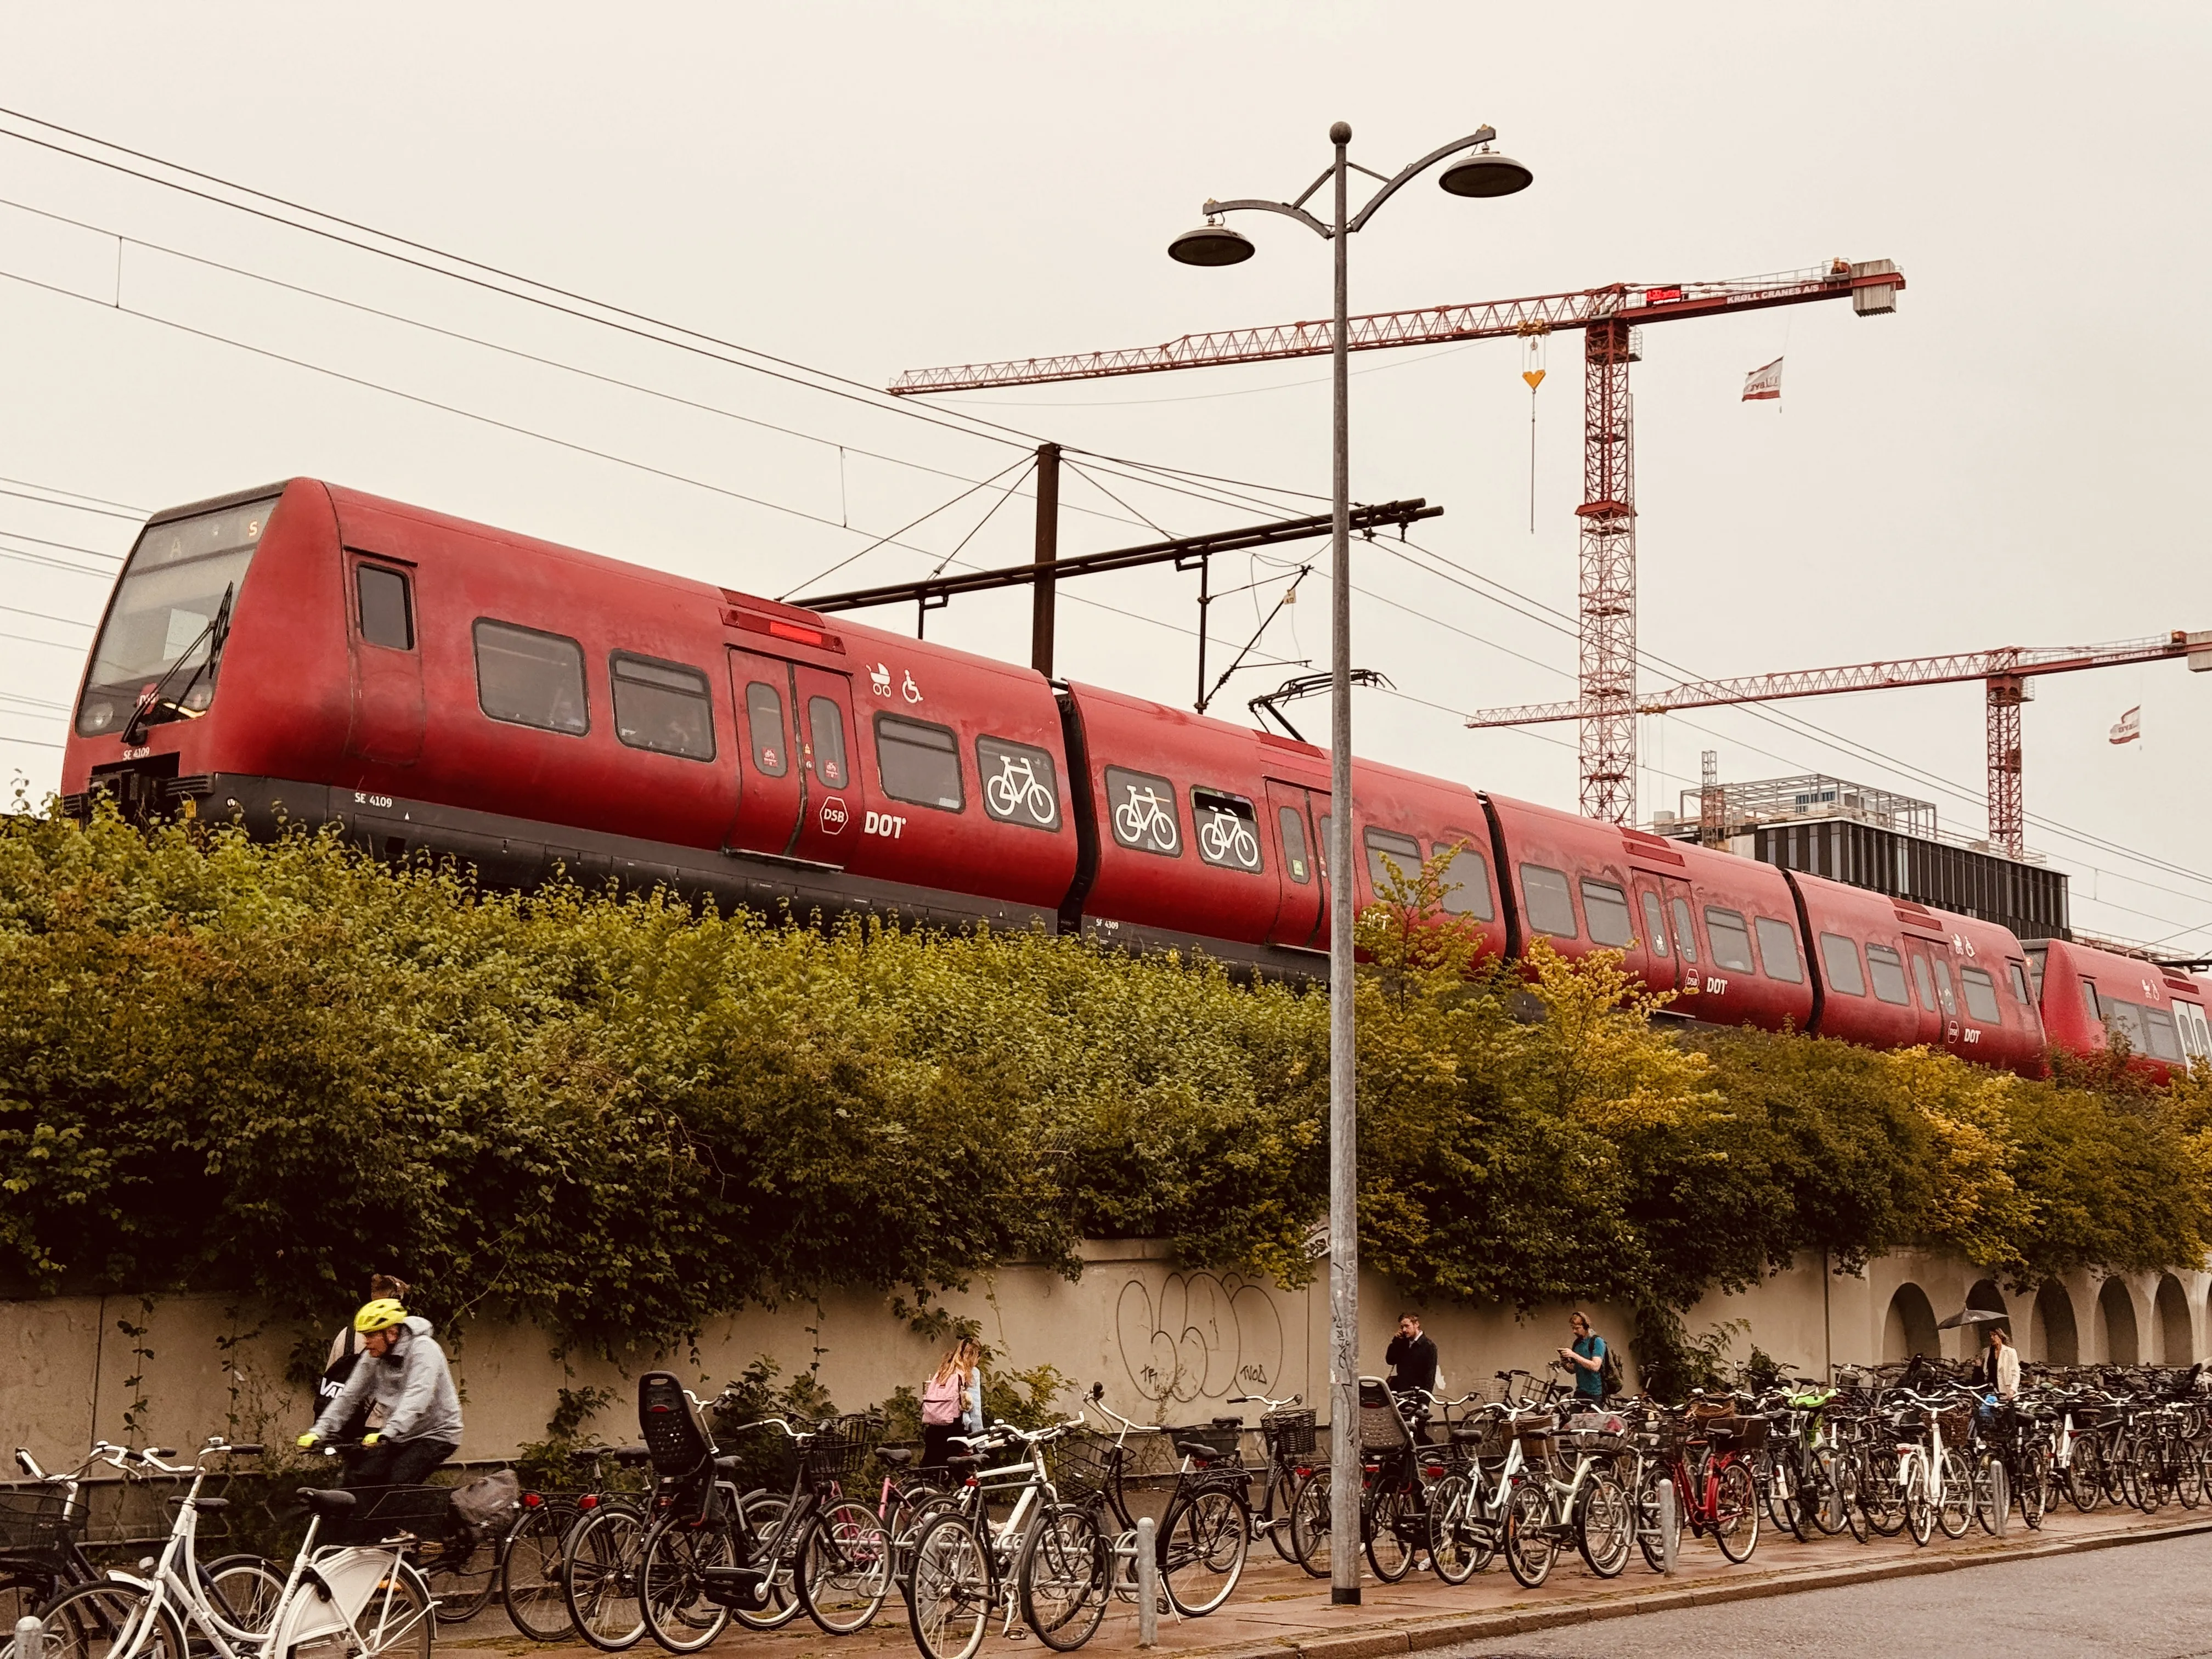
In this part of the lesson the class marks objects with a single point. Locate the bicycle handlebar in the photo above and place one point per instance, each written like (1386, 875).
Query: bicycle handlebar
(1262, 1400)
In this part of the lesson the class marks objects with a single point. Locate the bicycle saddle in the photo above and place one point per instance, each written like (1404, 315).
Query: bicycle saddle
(205, 1505)
(1464, 1436)
(897, 1457)
(630, 1455)
(328, 1503)
(726, 1467)
(960, 1463)
(1200, 1450)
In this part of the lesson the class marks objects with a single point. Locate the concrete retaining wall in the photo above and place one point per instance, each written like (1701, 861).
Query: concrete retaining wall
(1169, 1344)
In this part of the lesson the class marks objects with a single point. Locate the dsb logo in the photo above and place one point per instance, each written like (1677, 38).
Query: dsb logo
(834, 816)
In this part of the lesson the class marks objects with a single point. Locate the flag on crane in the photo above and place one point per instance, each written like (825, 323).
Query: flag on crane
(1763, 383)
(2129, 725)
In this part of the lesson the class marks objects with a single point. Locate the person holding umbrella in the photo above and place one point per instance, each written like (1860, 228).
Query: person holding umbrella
(2000, 1365)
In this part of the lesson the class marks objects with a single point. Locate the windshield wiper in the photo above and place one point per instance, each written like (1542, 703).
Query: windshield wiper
(216, 631)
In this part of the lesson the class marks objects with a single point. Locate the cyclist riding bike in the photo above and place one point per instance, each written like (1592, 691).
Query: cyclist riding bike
(404, 1374)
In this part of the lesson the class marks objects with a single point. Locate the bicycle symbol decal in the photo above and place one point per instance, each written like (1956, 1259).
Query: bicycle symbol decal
(1018, 791)
(1226, 838)
(1147, 819)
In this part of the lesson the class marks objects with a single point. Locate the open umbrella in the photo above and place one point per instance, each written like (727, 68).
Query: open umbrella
(1975, 1316)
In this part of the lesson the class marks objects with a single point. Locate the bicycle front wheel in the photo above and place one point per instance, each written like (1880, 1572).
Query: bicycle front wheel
(1309, 1524)
(1202, 1550)
(105, 1620)
(1451, 1540)
(1529, 1545)
(1065, 1578)
(1391, 1533)
(244, 1589)
(530, 1573)
(1882, 1495)
(1735, 1513)
(1605, 1526)
(1918, 1479)
(599, 1577)
(1956, 1511)
(462, 1570)
(950, 1605)
(672, 1583)
(844, 1568)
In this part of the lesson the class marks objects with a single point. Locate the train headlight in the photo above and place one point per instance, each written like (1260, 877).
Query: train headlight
(99, 716)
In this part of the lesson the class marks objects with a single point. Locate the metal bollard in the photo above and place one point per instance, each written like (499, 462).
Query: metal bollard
(1148, 1585)
(30, 1638)
(1671, 1528)
(2000, 1496)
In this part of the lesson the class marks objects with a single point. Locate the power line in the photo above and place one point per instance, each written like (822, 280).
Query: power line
(45, 615)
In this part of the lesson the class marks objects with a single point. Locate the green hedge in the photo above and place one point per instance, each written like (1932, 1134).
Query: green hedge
(269, 1067)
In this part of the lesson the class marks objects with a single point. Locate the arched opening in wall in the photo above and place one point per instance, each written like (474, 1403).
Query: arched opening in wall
(2052, 1339)
(1909, 1327)
(1974, 1338)
(2116, 1313)
(2177, 1344)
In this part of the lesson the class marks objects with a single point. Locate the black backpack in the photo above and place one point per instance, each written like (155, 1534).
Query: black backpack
(332, 1384)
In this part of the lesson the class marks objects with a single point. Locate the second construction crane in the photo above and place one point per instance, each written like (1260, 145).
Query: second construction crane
(1610, 319)
(2004, 673)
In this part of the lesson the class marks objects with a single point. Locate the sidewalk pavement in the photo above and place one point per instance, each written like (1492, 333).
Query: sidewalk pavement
(1278, 1613)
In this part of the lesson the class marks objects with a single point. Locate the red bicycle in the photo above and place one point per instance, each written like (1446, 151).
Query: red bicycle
(1706, 1451)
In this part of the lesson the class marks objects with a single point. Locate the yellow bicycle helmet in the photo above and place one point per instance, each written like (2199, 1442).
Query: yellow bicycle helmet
(380, 1315)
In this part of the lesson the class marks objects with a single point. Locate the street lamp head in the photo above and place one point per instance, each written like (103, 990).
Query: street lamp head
(1341, 133)
(1210, 244)
(1482, 172)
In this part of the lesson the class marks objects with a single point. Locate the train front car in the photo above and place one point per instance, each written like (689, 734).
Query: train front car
(2090, 997)
(215, 656)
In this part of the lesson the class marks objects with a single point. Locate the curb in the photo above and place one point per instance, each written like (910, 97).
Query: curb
(1475, 1627)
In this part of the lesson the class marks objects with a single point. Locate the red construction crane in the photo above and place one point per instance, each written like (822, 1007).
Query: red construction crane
(2004, 673)
(1609, 318)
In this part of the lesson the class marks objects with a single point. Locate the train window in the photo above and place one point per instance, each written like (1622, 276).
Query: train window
(1386, 847)
(1143, 808)
(2035, 955)
(1887, 970)
(661, 706)
(2127, 1018)
(1729, 938)
(1981, 996)
(1550, 906)
(2089, 1001)
(386, 617)
(764, 713)
(1685, 935)
(825, 724)
(1020, 785)
(1944, 993)
(1321, 847)
(1291, 823)
(1778, 944)
(1605, 907)
(1228, 830)
(529, 678)
(1927, 985)
(1655, 923)
(2019, 983)
(1466, 878)
(1839, 961)
(916, 761)
(2165, 1042)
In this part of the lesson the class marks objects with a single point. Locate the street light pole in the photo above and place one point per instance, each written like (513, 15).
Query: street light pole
(1344, 1472)
(1475, 170)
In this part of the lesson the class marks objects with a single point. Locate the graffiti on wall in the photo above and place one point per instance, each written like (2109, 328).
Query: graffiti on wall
(1199, 1337)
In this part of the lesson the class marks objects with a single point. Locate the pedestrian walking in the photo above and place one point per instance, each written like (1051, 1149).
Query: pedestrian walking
(1412, 1356)
(1587, 1355)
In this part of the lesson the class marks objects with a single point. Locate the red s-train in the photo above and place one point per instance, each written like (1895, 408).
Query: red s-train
(307, 654)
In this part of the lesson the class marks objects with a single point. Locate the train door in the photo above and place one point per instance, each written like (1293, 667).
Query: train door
(2196, 1034)
(1937, 996)
(831, 820)
(771, 781)
(386, 724)
(1663, 967)
(1689, 958)
(1298, 871)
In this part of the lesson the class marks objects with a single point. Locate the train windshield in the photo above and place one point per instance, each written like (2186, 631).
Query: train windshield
(163, 623)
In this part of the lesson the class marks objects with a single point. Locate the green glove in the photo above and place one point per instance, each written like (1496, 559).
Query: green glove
(370, 1439)
(307, 1439)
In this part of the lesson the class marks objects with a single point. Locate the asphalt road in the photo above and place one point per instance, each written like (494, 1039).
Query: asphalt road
(2143, 1601)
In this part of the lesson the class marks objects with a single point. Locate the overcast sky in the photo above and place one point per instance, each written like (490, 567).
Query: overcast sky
(867, 188)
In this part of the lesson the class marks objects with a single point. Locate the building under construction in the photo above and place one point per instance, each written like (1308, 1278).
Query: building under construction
(1877, 839)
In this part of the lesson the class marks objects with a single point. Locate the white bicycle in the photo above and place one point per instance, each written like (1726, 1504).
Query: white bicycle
(1017, 790)
(345, 1602)
(1226, 838)
(1147, 819)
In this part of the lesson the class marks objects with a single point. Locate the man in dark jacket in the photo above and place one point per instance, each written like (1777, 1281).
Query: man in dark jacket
(1411, 1356)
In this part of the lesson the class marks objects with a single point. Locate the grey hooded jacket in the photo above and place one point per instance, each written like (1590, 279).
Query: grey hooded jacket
(412, 1385)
